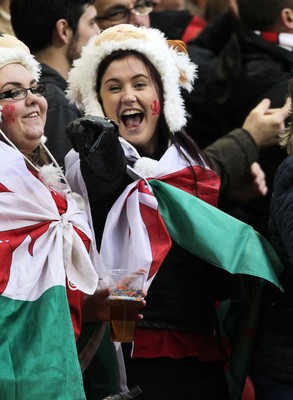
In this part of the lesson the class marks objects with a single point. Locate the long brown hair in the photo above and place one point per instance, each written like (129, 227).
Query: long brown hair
(180, 139)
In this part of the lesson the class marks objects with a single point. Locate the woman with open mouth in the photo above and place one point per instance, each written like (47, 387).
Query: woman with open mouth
(133, 158)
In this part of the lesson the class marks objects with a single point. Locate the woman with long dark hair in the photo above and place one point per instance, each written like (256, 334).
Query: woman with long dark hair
(133, 77)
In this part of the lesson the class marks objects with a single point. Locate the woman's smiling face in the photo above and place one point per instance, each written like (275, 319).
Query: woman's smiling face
(130, 98)
(23, 120)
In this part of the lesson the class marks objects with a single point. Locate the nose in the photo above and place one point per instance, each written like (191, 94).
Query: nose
(140, 20)
(133, 18)
(31, 98)
(97, 29)
(128, 96)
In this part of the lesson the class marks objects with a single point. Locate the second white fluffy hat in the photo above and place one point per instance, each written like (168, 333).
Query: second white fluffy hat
(174, 66)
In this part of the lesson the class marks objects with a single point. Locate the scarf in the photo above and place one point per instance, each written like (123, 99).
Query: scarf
(284, 40)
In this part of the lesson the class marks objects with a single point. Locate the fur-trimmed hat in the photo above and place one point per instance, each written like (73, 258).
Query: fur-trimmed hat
(13, 50)
(169, 58)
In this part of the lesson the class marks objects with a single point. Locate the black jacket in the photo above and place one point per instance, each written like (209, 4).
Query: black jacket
(274, 356)
(59, 114)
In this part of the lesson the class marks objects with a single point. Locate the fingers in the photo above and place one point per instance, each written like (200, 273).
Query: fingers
(265, 124)
(284, 111)
(102, 294)
(142, 304)
(259, 180)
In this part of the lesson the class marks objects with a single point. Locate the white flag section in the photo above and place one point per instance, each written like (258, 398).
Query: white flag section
(38, 250)
(135, 236)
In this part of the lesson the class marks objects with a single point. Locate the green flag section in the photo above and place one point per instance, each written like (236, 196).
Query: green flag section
(38, 354)
(215, 236)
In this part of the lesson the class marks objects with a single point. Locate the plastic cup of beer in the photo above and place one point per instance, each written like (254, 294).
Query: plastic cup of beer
(125, 301)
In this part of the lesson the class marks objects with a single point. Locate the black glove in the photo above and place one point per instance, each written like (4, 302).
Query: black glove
(86, 133)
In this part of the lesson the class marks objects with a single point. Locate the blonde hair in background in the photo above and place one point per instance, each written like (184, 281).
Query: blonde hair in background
(286, 139)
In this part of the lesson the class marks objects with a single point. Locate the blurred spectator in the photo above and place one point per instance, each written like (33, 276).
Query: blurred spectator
(114, 12)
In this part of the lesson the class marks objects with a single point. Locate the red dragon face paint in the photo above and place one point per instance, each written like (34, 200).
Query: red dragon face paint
(155, 107)
(7, 112)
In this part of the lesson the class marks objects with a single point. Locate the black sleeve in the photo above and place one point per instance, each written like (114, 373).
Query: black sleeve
(231, 155)
(102, 163)
(102, 160)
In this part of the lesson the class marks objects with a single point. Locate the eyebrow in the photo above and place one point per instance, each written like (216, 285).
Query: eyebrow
(133, 78)
(17, 84)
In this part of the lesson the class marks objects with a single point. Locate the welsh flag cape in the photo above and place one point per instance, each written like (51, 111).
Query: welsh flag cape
(39, 250)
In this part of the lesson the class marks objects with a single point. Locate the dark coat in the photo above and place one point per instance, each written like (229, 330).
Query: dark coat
(274, 356)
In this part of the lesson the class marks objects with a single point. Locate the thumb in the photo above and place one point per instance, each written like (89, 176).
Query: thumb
(263, 106)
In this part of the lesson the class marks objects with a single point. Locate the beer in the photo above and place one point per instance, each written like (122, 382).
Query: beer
(123, 314)
(125, 301)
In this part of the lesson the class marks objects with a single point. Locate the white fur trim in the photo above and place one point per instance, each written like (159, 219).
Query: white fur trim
(146, 167)
(171, 65)
(18, 55)
(51, 175)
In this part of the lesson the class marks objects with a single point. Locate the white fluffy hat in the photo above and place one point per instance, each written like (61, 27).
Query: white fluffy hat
(168, 57)
(13, 50)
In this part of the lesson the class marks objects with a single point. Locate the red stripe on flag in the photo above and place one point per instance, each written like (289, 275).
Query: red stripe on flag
(204, 183)
(11, 240)
(4, 188)
(159, 237)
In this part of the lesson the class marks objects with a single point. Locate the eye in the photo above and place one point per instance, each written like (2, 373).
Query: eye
(140, 85)
(114, 88)
(34, 89)
(16, 92)
(93, 22)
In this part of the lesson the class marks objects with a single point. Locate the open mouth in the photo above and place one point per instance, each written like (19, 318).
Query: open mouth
(132, 118)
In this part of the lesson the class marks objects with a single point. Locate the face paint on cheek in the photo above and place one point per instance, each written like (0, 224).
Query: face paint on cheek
(7, 114)
(155, 107)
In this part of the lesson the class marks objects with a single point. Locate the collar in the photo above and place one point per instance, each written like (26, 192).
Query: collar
(284, 40)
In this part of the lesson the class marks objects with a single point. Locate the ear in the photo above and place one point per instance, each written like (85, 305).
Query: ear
(287, 19)
(63, 31)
